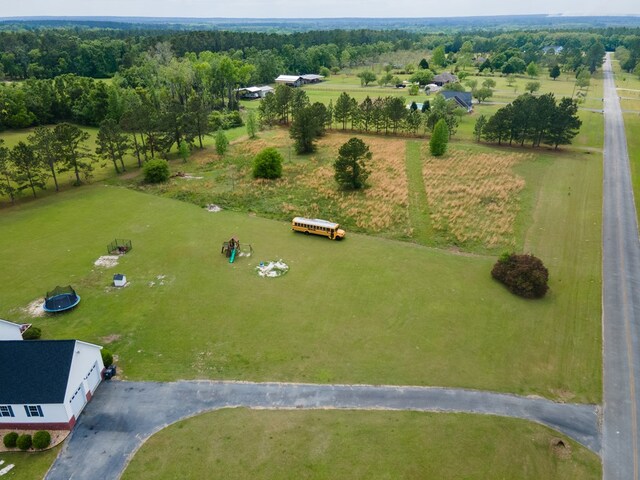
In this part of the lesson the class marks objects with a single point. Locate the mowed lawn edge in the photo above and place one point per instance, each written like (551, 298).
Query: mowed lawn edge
(366, 310)
(240, 443)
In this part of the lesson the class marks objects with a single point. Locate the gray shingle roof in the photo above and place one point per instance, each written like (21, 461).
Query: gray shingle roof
(463, 98)
(34, 371)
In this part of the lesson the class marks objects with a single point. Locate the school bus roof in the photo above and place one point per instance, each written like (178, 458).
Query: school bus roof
(316, 222)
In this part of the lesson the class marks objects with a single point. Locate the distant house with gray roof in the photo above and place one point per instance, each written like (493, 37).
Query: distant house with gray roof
(463, 99)
(444, 78)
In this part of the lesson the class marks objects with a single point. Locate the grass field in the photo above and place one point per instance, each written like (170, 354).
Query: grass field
(28, 466)
(396, 313)
(240, 444)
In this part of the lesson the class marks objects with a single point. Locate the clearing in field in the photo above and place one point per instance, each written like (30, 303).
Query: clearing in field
(474, 196)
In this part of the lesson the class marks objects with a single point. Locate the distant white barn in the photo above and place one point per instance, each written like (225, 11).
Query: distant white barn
(290, 80)
(254, 92)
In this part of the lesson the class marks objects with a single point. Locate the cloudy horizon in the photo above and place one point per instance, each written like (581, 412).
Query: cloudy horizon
(256, 9)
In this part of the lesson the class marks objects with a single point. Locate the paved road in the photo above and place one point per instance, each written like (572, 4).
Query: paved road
(621, 298)
(124, 414)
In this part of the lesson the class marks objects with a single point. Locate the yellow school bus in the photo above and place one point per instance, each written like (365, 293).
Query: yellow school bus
(317, 227)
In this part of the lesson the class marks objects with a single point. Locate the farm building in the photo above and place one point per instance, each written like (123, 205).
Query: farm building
(249, 93)
(444, 78)
(10, 331)
(312, 78)
(463, 99)
(291, 80)
(46, 383)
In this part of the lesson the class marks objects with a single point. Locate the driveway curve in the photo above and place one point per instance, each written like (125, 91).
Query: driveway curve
(124, 414)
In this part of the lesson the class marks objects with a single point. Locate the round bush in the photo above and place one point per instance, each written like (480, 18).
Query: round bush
(268, 164)
(107, 357)
(156, 171)
(32, 333)
(24, 441)
(10, 439)
(524, 275)
(41, 439)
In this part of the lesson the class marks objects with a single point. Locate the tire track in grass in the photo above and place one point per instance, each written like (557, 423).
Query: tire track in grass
(419, 217)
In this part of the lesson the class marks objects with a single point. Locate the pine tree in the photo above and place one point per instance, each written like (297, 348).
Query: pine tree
(350, 168)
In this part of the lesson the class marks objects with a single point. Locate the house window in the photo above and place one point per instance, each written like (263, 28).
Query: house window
(33, 411)
(6, 411)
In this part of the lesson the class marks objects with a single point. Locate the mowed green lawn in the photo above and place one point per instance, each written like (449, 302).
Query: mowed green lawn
(28, 466)
(244, 444)
(366, 310)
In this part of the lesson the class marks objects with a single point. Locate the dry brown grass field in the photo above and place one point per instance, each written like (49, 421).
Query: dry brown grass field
(473, 196)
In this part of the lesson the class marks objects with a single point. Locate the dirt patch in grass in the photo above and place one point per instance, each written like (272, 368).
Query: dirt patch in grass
(385, 201)
(34, 309)
(473, 197)
(107, 261)
(110, 338)
(560, 448)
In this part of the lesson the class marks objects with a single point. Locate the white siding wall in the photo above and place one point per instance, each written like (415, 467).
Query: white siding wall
(52, 413)
(86, 357)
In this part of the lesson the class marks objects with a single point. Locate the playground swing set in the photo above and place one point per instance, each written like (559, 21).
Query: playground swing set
(233, 249)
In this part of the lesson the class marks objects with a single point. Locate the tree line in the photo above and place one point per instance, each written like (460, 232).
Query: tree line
(102, 52)
(536, 119)
(383, 115)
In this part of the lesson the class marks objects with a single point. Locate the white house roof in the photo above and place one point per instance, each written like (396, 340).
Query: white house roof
(288, 78)
(312, 76)
(10, 330)
(254, 89)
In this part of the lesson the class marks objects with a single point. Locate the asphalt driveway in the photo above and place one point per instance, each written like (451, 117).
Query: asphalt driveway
(122, 415)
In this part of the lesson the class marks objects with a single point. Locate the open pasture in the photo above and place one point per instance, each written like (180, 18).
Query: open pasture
(366, 310)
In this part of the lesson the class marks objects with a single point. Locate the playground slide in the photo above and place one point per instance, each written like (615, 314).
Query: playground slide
(233, 255)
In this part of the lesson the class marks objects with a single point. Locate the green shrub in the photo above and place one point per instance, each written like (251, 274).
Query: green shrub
(10, 440)
(439, 139)
(41, 439)
(524, 275)
(107, 357)
(222, 143)
(156, 171)
(24, 441)
(225, 120)
(267, 164)
(32, 333)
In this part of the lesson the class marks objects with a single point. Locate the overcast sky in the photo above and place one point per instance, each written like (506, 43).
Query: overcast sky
(312, 8)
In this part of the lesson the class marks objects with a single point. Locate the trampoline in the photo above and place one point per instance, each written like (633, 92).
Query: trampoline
(61, 299)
